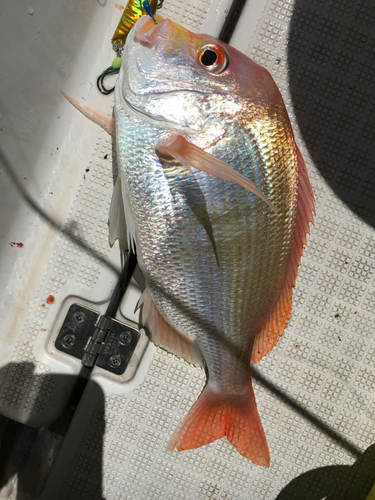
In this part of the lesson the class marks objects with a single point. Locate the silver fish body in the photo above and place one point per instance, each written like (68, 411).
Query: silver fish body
(214, 256)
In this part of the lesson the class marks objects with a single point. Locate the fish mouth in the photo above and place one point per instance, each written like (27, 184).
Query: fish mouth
(147, 33)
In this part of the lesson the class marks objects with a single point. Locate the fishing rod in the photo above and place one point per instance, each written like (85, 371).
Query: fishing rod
(231, 20)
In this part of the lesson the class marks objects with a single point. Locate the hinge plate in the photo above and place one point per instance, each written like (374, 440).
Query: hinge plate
(83, 336)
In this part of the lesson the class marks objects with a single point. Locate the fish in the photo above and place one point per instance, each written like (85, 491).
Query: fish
(219, 256)
(217, 203)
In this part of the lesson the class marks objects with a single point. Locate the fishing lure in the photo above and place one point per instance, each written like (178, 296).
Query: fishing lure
(132, 12)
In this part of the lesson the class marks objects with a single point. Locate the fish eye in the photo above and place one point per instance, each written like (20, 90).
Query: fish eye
(212, 58)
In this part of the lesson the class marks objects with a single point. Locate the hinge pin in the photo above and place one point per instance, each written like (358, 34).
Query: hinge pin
(92, 349)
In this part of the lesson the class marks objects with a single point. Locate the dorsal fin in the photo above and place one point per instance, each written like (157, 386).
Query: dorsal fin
(163, 335)
(280, 316)
(116, 218)
(120, 220)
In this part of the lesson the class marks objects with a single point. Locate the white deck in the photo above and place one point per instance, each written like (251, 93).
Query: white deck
(116, 447)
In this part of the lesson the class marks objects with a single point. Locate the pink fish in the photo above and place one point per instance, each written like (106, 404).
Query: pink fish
(218, 203)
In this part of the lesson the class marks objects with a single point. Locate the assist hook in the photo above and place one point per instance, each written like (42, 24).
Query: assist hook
(111, 70)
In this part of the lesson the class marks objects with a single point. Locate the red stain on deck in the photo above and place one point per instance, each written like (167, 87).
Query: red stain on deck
(43, 329)
(119, 6)
(18, 245)
(50, 299)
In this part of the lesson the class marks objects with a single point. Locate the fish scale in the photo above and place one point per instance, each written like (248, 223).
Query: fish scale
(219, 263)
(226, 292)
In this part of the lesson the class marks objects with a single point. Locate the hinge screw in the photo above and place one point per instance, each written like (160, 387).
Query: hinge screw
(68, 340)
(79, 316)
(125, 338)
(115, 360)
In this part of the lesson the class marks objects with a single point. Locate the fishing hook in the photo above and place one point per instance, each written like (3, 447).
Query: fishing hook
(111, 70)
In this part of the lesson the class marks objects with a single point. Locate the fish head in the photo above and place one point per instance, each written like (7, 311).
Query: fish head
(186, 79)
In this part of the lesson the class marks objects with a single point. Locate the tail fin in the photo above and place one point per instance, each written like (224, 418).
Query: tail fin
(215, 416)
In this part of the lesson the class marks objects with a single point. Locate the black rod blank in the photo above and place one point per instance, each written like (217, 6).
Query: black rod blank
(231, 20)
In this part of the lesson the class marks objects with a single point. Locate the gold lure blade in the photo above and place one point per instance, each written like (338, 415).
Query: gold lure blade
(132, 12)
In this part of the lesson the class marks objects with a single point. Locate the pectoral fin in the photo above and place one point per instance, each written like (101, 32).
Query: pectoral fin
(93, 114)
(190, 155)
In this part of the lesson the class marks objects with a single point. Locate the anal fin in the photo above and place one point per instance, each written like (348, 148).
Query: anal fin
(163, 335)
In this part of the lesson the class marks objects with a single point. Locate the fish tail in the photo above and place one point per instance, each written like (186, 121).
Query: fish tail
(215, 415)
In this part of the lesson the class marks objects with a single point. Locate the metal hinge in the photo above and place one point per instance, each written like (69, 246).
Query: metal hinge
(97, 340)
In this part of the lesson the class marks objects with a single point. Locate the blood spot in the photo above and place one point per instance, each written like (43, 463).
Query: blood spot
(119, 6)
(50, 299)
(296, 346)
(43, 329)
(14, 244)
